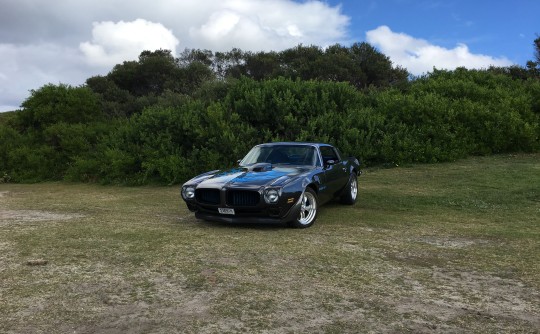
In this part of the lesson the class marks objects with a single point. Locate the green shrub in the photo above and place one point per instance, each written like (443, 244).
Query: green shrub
(52, 104)
(443, 116)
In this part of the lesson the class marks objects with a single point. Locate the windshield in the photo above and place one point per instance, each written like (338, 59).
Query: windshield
(282, 154)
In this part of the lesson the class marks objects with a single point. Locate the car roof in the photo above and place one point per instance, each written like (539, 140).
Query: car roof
(294, 143)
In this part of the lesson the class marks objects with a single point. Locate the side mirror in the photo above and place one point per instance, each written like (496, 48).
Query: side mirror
(330, 163)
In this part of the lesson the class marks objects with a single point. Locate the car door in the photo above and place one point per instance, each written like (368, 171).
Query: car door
(335, 171)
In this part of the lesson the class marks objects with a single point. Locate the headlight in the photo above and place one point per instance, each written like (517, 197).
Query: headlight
(188, 192)
(271, 196)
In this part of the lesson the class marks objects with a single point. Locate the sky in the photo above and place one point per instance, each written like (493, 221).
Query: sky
(68, 41)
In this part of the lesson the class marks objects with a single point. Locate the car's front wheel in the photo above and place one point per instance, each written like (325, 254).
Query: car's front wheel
(308, 209)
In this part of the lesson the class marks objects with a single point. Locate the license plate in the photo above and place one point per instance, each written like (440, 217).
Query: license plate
(226, 211)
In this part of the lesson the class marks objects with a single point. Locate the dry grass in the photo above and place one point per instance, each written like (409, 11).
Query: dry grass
(431, 248)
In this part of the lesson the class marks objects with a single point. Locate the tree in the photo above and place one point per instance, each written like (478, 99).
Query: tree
(302, 62)
(229, 64)
(376, 66)
(189, 56)
(192, 77)
(262, 65)
(152, 74)
(134, 85)
(339, 65)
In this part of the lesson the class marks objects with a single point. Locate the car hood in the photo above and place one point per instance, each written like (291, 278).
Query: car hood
(265, 175)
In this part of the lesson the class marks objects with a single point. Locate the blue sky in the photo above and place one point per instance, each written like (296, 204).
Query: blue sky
(495, 28)
(70, 41)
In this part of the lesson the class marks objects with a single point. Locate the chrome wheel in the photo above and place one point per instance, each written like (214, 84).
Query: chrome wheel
(308, 209)
(350, 191)
(354, 188)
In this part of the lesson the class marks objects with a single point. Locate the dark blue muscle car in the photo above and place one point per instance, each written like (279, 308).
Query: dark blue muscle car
(275, 182)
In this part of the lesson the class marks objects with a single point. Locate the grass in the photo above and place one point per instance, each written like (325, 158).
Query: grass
(429, 248)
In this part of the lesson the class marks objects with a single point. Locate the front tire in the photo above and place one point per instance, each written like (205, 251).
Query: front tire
(351, 190)
(308, 210)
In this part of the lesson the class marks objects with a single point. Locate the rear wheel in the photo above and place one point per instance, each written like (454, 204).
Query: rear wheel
(351, 190)
(308, 210)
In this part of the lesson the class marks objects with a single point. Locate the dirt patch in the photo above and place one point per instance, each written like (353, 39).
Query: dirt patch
(454, 296)
(502, 296)
(452, 243)
(3, 193)
(35, 216)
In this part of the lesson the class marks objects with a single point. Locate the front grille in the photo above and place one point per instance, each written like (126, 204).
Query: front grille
(207, 196)
(243, 197)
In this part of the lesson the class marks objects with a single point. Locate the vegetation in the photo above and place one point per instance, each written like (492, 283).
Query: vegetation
(163, 119)
(450, 247)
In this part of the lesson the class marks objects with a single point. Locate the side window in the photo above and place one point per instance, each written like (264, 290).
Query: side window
(338, 154)
(328, 153)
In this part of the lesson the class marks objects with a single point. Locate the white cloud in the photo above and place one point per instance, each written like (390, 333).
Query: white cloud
(38, 45)
(26, 67)
(269, 25)
(112, 43)
(419, 56)
(226, 29)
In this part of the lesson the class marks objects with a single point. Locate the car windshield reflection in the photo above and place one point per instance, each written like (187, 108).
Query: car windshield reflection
(303, 155)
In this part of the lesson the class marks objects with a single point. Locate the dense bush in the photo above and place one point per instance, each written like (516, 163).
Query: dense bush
(52, 104)
(74, 133)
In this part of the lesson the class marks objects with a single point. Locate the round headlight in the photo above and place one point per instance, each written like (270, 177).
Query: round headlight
(271, 196)
(188, 192)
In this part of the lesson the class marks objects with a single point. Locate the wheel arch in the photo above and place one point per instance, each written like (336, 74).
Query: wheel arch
(313, 183)
(313, 186)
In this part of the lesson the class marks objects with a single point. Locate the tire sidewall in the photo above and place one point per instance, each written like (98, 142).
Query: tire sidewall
(347, 196)
(296, 223)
